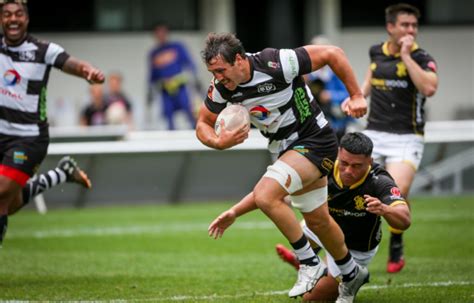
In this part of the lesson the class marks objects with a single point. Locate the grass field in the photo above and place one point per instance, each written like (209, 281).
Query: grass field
(163, 254)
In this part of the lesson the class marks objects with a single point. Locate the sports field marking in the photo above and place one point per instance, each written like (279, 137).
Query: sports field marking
(260, 294)
(130, 230)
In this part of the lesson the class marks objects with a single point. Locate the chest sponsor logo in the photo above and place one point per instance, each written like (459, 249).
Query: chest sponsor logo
(11, 77)
(266, 88)
(27, 56)
(259, 112)
(359, 203)
(401, 69)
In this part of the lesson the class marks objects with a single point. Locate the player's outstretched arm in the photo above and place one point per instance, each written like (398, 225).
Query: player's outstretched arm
(223, 221)
(397, 215)
(83, 69)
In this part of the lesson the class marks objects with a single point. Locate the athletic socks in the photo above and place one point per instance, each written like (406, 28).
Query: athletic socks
(396, 247)
(3, 227)
(41, 183)
(304, 252)
(348, 267)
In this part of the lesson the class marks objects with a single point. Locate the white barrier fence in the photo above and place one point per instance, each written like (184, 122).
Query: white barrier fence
(162, 166)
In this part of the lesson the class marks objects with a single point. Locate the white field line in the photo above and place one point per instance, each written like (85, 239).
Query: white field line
(130, 230)
(255, 294)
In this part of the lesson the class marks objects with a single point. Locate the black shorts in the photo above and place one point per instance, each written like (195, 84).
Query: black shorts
(319, 146)
(21, 157)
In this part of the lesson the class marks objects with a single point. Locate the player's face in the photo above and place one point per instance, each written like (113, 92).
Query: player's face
(352, 167)
(14, 22)
(405, 25)
(229, 75)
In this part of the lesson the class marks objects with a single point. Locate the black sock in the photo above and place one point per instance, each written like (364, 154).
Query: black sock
(3, 227)
(41, 183)
(304, 253)
(396, 247)
(348, 267)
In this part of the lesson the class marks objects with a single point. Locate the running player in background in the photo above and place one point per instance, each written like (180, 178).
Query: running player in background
(359, 193)
(24, 136)
(400, 77)
(270, 85)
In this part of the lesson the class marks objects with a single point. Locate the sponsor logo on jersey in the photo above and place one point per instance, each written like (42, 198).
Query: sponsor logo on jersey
(266, 88)
(301, 149)
(11, 77)
(27, 56)
(19, 157)
(239, 94)
(345, 213)
(359, 203)
(432, 66)
(259, 112)
(388, 84)
(401, 69)
(396, 194)
(327, 164)
(272, 64)
(209, 91)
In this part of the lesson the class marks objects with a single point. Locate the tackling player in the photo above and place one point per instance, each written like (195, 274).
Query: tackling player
(360, 192)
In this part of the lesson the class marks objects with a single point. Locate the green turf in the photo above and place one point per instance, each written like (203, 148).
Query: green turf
(163, 254)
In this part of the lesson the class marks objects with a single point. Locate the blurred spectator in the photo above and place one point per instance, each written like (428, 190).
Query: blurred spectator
(329, 92)
(94, 113)
(119, 108)
(168, 77)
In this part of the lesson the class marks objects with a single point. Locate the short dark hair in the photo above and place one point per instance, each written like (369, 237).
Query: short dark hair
(19, 2)
(226, 45)
(392, 12)
(357, 143)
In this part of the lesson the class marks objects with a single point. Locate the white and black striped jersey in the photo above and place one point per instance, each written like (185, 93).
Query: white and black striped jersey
(25, 71)
(281, 106)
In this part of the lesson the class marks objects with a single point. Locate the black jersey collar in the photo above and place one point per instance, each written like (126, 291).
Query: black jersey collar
(337, 177)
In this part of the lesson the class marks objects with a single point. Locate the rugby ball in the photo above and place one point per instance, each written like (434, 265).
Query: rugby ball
(235, 116)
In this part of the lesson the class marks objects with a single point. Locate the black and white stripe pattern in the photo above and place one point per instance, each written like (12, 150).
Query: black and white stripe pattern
(271, 94)
(25, 72)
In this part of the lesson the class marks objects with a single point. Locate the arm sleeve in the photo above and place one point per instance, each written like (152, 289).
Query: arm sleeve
(214, 100)
(56, 56)
(387, 191)
(426, 61)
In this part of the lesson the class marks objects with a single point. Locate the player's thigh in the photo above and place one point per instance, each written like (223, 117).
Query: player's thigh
(403, 173)
(308, 172)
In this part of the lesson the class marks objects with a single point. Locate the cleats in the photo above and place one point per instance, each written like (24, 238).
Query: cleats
(73, 173)
(348, 290)
(308, 276)
(287, 256)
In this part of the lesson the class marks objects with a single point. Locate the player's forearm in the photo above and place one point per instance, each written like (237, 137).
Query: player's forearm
(426, 82)
(247, 204)
(205, 133)
(398, 216)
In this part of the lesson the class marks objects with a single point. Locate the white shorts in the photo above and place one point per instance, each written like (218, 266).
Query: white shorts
(389, 148)
(362, 258)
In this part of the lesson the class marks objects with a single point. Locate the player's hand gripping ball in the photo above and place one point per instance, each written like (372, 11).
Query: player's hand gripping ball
(235, 116)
